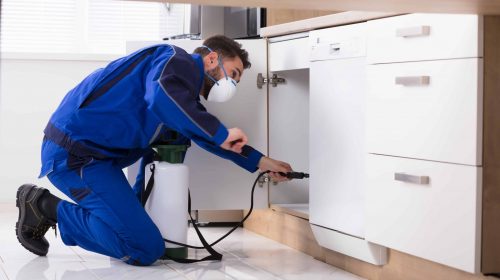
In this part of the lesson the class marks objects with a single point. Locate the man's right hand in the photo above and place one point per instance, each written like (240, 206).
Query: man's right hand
(235, 140)
(275, 166)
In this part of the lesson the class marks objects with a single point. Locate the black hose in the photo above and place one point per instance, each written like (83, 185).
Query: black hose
(235, 227)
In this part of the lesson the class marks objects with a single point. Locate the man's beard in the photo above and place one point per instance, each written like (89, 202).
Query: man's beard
(208, 83)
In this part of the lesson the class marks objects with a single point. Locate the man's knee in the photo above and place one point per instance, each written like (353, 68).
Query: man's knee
(156, 250)
(150, 246)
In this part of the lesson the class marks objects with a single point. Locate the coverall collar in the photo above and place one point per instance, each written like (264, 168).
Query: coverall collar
(199, 62)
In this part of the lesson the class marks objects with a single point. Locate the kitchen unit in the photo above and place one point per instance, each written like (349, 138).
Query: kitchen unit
(431, 126)
(425, 138)
(289, 118)
(426, 110)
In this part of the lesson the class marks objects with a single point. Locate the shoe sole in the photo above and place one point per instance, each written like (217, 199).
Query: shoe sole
(21, 200)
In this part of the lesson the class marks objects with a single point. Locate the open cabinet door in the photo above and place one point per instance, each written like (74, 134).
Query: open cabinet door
(216, 183)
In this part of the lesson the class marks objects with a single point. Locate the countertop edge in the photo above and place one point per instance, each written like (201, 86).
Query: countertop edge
(321, 22)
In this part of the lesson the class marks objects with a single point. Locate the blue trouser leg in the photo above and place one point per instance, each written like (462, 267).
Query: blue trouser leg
(108, 218)
(145, 159)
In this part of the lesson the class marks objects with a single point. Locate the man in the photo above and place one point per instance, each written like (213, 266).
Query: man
(109, 121)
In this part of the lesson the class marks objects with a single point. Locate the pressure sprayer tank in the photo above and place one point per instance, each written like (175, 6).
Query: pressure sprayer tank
(168, 202)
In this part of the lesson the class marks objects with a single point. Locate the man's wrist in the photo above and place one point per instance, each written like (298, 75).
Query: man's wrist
(261, 162)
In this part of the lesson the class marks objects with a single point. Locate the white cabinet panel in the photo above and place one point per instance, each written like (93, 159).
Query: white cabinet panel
(289, 133)
(337, 142)
(337, 150)
(349, 245)
(416, 37)
(426, 110)
(216, 183)
(289, 55)
(438, 220)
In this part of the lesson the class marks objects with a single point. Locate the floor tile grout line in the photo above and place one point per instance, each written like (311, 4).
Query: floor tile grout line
(240, 260)
(90, 270)
(245, 260)
(259, 269)
(178, 272)
(76, 253)
(4, 272)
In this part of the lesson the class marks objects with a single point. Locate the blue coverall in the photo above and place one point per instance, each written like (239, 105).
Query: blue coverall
(108, 122)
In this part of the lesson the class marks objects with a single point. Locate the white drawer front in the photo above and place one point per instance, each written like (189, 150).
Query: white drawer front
(439, 221)
(426, 110)
(417, 37)
(289, 55)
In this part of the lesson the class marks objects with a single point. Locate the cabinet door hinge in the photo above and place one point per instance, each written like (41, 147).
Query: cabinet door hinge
(274, 80)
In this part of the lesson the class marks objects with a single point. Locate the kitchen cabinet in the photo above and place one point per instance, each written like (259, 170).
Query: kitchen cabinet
(289, 117)
(427, 95)
(418, 37)
(420, 109)
(401, 121)
(289, 134)
(425, 208)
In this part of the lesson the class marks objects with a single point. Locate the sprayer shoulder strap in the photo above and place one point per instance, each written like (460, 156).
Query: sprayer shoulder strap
(145, 192)
(214, 255)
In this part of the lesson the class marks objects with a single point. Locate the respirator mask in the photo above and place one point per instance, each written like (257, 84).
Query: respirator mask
(222, 90)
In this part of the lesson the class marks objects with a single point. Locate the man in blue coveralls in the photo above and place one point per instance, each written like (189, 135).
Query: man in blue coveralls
(109, 121)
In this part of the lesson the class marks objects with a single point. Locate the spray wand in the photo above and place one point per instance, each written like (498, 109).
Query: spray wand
(294, 175)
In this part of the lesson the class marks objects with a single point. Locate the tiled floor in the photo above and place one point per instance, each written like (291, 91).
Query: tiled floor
(246, 256)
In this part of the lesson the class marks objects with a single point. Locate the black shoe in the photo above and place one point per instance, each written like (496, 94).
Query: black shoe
(32, 224)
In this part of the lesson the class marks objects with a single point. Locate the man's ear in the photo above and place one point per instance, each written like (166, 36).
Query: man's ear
(210, 61)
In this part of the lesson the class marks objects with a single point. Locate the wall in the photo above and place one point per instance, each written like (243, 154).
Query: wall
(31, 88)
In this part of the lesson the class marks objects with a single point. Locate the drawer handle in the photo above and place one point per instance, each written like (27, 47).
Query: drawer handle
(407, 178)
(413, 80)
(415, 31)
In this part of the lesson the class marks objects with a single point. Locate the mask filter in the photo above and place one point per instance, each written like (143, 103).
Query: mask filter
(223, 89)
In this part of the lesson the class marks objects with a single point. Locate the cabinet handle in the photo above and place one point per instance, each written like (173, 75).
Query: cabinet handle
(413, 80)
(334, 48)
(407, 178)
(415, 31)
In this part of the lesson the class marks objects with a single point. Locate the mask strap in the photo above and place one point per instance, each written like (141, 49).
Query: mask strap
(220, 63)
(203, 46)
(223, 69)
(212, 78)
(209, 76)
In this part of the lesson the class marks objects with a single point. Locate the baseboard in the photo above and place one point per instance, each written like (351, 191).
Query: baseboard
(349, 245)
(296, 233)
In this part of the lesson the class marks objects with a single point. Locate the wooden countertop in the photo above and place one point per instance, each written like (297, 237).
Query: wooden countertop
(490, 7)
(321, 22)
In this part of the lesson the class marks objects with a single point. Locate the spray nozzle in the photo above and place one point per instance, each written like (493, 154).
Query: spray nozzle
(294, 175)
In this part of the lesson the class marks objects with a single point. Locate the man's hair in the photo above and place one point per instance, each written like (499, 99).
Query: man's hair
(226, 47)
